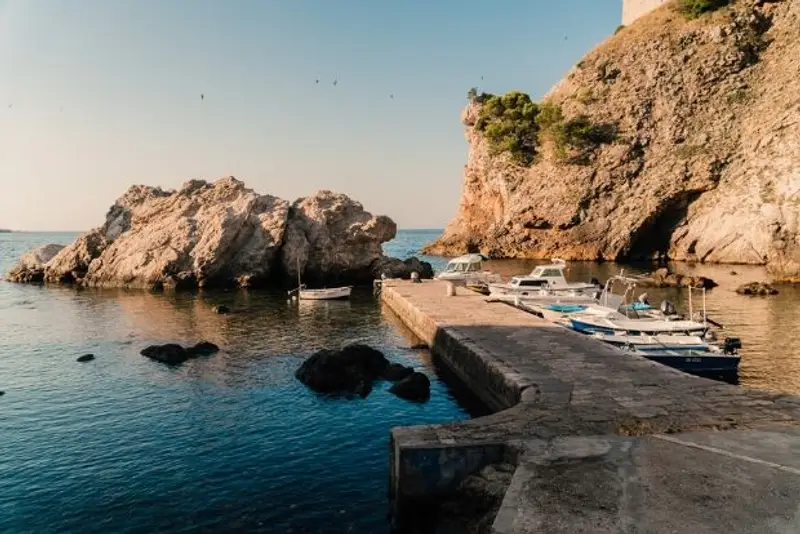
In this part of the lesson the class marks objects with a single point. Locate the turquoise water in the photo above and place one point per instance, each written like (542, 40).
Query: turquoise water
(228, 443)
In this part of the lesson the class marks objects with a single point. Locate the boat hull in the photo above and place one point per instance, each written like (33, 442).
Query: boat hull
(592, 327)
(337, 293)
(702, 364)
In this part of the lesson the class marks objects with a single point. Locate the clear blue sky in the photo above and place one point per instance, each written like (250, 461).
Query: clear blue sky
(106, 93)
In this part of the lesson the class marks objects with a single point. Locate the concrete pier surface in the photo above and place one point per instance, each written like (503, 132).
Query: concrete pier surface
(599, 441)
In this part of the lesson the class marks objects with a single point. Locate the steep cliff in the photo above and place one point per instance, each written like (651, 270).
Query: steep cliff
(703, 163)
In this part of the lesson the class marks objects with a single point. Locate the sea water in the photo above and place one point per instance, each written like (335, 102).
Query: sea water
(228, 443)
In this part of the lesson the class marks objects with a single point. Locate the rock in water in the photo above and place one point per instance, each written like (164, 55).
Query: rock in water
(665, 278)
(756, 288)
(394, 268)
(174, 354)
(703, 163)
(351, 369)
(31, 265)
(85, 358)
(333, 239)
(395, 372)
(217, 234)
(221, 310)
(415, 387)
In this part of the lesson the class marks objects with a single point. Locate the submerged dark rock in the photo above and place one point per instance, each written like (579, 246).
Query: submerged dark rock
(396, 372)
(85, 358)
(174, 354)
(351, 369)
(757, 288)
(221, 309)
(415, 387)
(419, 346)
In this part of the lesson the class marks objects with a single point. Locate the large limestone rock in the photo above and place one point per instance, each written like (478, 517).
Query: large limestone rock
(215, 234)
(705, 167)
(30, 268)
(330, 238)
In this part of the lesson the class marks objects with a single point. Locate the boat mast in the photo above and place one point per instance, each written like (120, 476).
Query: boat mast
(299, 284)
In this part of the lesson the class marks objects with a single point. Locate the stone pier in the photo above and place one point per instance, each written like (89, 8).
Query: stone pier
(599, 441)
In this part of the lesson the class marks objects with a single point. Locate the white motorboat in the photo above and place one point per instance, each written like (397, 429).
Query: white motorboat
(468, 269)
(331, 293)
(546, 280)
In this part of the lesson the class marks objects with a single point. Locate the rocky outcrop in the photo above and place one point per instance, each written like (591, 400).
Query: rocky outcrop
(174, 354)
(216, 234)
(705, 165)
(756, 288)
(351, 370)
(30, 268)
(330, 238)
(395, 268)
(665, 278)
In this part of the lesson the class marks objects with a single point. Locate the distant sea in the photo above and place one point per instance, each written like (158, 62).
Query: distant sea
(228, 443)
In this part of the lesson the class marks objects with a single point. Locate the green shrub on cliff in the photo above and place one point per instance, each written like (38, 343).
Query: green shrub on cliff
(509, 124)
(513, 123)
(695, 8)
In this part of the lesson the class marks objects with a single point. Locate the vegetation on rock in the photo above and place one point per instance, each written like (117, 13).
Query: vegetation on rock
(695, 8)
(514, 124)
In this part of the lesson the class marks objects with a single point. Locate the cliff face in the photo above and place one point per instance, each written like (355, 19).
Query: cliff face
(706, 161)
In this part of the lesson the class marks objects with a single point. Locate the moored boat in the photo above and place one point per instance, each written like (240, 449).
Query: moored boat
(546, 280)
(468, 269)
(332, 293)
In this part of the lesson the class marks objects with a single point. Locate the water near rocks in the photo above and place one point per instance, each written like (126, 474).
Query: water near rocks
(232, 442)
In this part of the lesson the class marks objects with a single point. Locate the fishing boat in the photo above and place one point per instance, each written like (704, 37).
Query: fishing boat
(468, 269)
(697, 358)
(330, 293)
(546, 280)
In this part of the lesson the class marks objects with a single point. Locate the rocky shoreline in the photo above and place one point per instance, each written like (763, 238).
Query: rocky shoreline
(222, 234)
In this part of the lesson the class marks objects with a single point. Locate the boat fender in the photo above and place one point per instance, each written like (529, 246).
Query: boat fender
(667, 308)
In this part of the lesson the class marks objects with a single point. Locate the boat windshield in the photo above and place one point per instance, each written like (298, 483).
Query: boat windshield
(456, 267)
(546, 272)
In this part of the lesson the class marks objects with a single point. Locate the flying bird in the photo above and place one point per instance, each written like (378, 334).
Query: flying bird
(391, 96)
(481, 77)
(317, 80)
(335, 82)
(202, 96)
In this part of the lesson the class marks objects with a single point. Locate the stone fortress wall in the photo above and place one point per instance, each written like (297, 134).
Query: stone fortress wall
(633, 9)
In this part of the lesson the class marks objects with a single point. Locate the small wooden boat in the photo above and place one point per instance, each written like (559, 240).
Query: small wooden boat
(329, 293)
(332, 293)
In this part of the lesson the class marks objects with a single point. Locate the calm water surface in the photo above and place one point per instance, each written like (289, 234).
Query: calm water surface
(229, 443)
(233, 443)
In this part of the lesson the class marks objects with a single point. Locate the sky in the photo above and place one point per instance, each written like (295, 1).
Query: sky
(98, 95)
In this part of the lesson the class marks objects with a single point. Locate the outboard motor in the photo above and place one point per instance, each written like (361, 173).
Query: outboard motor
(731, 345)
(668, 308)
(643, 299)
